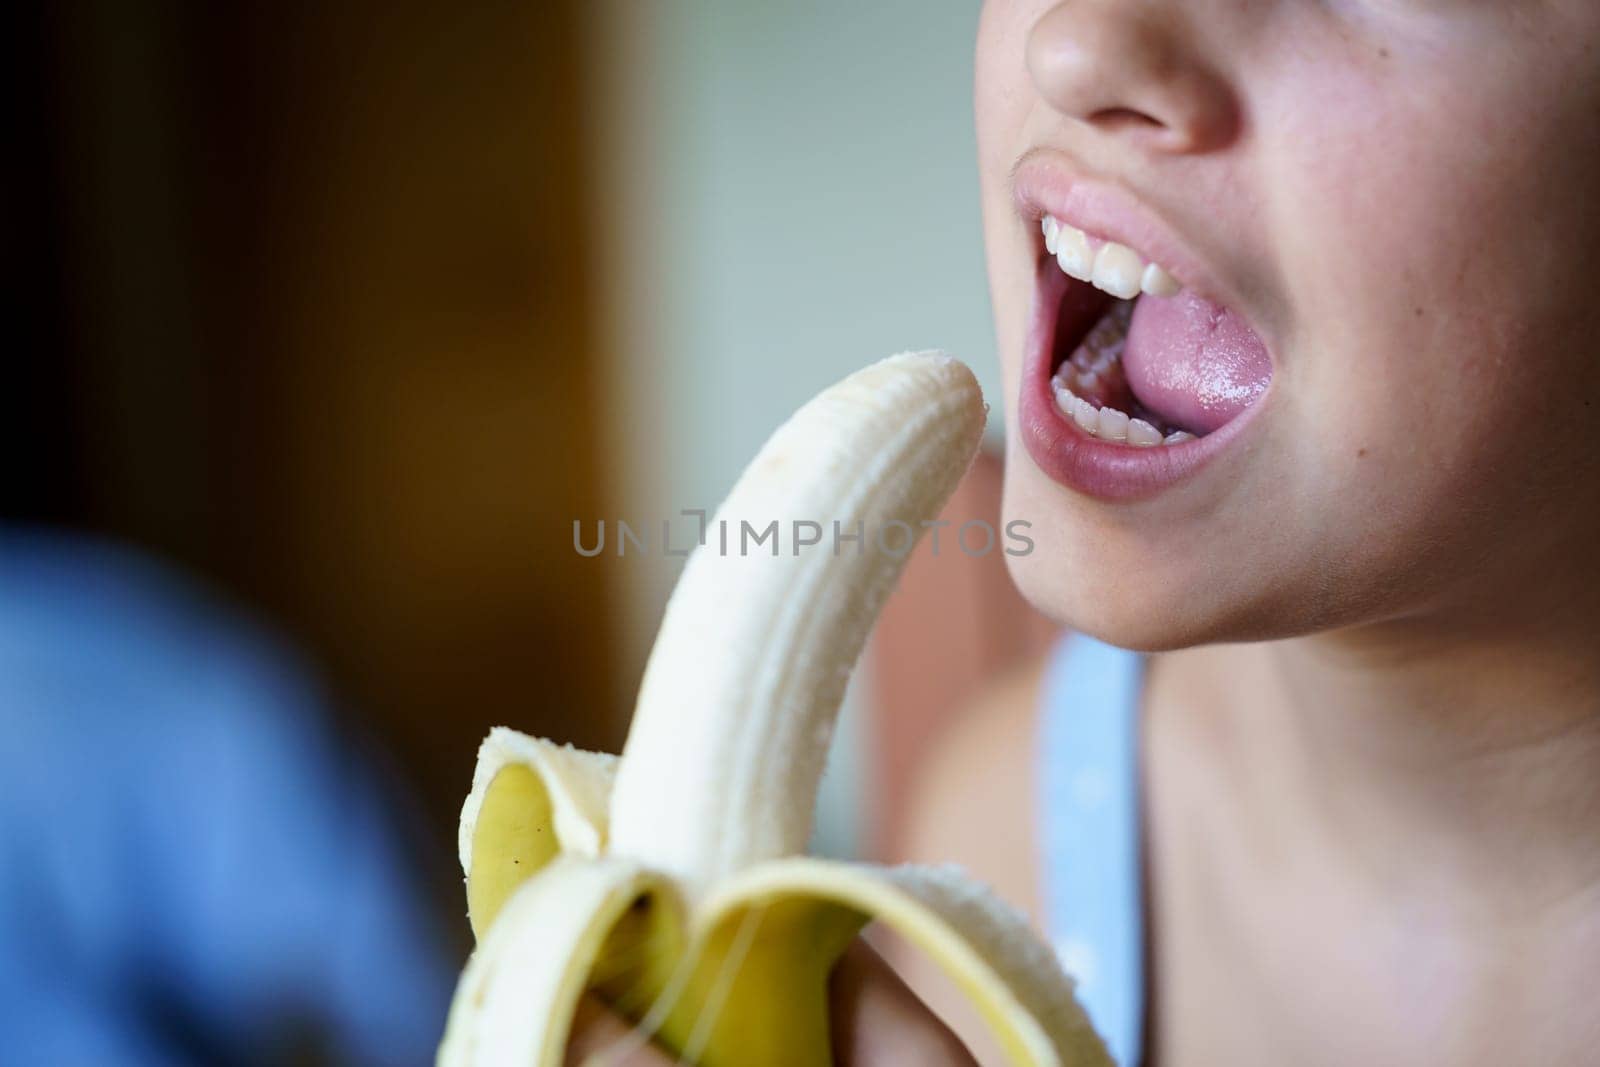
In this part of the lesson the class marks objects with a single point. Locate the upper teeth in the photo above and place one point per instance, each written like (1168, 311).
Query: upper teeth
(1113, 267)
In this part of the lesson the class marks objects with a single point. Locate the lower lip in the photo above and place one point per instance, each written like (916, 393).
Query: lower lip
(1077, 460)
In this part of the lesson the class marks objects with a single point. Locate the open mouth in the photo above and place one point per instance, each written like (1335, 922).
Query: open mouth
(1135, 358)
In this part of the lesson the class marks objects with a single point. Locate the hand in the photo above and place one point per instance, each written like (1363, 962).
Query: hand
(877, 1022)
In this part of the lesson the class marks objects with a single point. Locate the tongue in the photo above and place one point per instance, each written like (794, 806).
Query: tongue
(1194, 363)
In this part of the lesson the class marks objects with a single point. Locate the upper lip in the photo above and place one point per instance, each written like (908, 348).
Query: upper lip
(1043, 183)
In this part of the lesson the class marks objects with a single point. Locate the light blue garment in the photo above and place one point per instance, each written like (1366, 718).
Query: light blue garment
(192, 869)
(1090, 817)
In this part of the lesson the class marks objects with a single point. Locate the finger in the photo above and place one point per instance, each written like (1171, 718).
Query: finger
(879, 1022)
(600, 1038)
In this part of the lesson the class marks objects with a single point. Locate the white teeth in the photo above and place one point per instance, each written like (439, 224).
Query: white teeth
(1141, 433)
(1086, 416)
(1073, 255)
(1113, 267)
(1113, 424)
(1109, 423)
(1117, 269)
(1093, 373)
(1158, 282)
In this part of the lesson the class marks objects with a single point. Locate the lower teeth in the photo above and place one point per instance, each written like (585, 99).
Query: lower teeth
(1095, 370)
(1113, 424)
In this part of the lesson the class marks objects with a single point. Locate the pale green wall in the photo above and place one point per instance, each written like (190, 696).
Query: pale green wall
(811, 187)
(792, 194)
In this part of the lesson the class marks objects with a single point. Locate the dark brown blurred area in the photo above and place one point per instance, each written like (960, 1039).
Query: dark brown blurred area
(306, 309)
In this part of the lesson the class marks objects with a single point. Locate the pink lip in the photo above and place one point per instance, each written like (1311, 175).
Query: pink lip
(1043, 184)
(1073, 458)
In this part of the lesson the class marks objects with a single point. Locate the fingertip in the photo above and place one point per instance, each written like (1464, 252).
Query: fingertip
(600, 1036)
(877, 1020)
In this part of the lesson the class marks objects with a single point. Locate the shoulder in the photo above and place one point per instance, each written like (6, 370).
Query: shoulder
(972, 800)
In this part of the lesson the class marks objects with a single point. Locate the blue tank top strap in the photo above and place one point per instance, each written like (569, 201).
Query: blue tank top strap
(1089, 815)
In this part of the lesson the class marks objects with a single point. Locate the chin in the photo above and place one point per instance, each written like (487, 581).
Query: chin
(1148, 588)
(1143, 411)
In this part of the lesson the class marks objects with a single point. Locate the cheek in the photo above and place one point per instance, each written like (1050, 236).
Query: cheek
(1440, 352)
(1439, 245)
(988, 63)
(999, 79)
(1004, 100)
(1003, 87)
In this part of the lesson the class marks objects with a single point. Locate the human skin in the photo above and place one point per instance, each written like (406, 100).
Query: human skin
(1372, 746)
(1373, 775)
(1401, 195)
(877, 1021)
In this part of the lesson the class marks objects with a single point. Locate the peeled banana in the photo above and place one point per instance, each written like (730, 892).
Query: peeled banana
(671, 881)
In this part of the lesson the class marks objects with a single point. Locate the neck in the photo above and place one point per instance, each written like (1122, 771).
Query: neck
(1428, 760)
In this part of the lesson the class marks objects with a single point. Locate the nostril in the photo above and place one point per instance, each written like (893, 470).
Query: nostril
(1204, 122)
(1125, 69)
(1125, 119)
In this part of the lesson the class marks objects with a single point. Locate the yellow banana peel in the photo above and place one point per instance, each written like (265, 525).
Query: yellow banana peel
(670, 881)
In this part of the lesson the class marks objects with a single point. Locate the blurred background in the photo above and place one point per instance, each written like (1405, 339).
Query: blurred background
(333, 320)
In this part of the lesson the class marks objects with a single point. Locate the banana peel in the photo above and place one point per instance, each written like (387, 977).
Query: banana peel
(671, 882)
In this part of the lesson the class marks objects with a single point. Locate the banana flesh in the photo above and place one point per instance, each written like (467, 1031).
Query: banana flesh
(670, 882)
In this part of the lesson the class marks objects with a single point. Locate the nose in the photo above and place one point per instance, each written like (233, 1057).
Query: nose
(1125, 68)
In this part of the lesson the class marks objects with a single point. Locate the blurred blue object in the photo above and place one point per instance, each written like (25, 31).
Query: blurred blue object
(192, 868)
